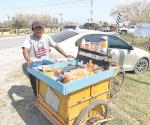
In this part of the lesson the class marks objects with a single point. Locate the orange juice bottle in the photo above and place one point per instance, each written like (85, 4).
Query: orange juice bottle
(90, 66)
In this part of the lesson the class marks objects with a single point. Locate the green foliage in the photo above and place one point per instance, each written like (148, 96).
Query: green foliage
(25, 20)
(105, 24)
(18, 24)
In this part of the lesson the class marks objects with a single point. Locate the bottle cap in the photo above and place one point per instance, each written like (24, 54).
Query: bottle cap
(104, 37)
(90, 61)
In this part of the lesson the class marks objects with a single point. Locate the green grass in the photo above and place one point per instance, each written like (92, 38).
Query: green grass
(133, 103)
(131, 38)
(134, 100)
(134, 40)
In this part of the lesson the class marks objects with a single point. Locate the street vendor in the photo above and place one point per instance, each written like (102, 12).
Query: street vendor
(36, 49)
(36, 46)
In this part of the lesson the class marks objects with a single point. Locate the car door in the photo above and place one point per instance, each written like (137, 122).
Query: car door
(121, 52)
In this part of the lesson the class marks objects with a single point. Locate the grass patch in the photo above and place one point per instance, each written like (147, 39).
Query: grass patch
(132, 38)
(134, 100)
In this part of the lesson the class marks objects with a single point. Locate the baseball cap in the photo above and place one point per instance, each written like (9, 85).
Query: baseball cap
(36, 24)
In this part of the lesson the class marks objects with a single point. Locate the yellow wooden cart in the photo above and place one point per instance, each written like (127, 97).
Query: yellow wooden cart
(78, 102)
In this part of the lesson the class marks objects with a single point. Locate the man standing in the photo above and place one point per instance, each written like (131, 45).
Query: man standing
(36, 49)
(36, 46)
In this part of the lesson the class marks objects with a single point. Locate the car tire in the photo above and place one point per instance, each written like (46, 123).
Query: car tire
(124, 32)
(141, 66)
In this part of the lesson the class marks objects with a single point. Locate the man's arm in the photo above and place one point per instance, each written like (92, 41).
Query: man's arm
(26, 55)
(58, 48)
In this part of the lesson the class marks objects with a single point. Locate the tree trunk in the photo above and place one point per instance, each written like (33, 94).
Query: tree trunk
(18, 31)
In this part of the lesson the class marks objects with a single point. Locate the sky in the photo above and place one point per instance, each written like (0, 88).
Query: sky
(71, 10)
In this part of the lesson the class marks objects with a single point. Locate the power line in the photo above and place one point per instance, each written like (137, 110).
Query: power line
(47, 5)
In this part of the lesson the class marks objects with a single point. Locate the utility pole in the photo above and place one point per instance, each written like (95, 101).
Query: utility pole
(61, 18)
(9, 23)
(91, 10)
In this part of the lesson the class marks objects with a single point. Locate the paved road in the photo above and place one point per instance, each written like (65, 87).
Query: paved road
(6, 43)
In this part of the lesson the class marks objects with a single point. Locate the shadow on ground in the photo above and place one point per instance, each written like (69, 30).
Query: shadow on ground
(24, 105)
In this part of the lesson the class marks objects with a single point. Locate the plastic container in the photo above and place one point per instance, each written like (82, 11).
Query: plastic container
(90, 66)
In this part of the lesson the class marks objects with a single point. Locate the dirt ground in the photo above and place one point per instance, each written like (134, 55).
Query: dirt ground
(17, 99)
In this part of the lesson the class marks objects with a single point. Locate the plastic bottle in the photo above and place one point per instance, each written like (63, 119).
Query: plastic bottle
(104, 44)
(82, 44)
(90, 66)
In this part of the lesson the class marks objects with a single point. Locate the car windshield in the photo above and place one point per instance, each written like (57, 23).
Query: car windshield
(63, 35)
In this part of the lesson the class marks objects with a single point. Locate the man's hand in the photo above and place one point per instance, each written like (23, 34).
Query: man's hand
(29, 62)
(69, 56)
(26, 56)
(57, 47)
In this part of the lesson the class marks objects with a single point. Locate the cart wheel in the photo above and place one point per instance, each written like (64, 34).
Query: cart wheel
(116, 84)
(94, 113)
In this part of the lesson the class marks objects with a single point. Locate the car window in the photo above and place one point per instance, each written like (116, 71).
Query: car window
(116, 42)
(94, 38)
(63, 35)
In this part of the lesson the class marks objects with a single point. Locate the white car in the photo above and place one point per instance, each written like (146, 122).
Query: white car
(129, 57)
(127, 30)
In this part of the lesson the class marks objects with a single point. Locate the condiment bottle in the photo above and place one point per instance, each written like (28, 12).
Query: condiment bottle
(82, 45)
(90, 66)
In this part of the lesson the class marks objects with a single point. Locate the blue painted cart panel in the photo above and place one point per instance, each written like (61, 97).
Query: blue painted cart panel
(74, 85)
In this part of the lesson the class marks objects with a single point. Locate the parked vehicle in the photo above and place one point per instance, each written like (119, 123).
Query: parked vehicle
(70, 27)
(127, 30)
(91, 26)
(129, 57)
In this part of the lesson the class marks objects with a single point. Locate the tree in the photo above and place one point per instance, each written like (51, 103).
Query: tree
(19, 21)
(25, 20)
(105, 24)
(17, 24)
(135, 11)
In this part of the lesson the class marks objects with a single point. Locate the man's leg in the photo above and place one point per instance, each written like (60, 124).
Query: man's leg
(33, 83)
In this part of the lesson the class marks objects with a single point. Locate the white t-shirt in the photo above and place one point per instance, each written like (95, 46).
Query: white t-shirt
(39, 49)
